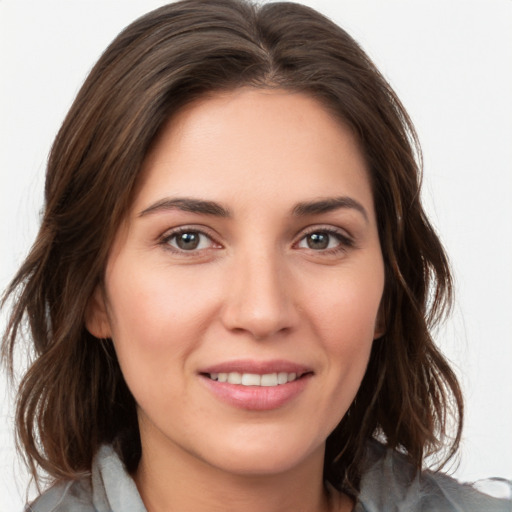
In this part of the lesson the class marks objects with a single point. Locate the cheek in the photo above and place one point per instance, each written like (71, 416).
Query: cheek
(346, 308)
(344, 312)
(157, 307)
(157, 319)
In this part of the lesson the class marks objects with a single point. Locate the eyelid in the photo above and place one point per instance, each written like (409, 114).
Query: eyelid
(325, 228)
(346, 239)
(202, 230)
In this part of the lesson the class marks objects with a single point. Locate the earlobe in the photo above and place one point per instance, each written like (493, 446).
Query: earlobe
(96, 318)
(378, 333)
(380, 324)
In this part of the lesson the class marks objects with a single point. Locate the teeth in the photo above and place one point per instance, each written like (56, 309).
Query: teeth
(269, 379)
(251, 379)
(254, 379)
(235, 378)
(282, 378)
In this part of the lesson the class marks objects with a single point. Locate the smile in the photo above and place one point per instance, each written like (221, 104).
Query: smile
(254, 379)
(257, 385)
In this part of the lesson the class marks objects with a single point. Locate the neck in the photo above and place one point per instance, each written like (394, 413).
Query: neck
(170, 479)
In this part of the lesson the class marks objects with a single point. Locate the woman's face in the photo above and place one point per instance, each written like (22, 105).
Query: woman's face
(242, 293)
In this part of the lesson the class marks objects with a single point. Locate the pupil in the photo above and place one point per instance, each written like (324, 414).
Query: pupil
(188, 241)
(318, 241)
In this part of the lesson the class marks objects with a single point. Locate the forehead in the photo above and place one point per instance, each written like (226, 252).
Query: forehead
(255, 146)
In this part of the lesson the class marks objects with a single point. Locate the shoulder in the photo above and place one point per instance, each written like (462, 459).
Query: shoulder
(109, 488)
(73, 496)
(390, 483)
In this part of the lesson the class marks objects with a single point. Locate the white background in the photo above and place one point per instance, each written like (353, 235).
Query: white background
(450, 62)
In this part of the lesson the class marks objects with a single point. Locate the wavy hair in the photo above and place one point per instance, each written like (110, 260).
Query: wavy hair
(73, 396)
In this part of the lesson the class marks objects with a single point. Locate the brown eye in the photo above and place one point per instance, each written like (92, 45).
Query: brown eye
(322, 241)
(318, 241)
(189, 241)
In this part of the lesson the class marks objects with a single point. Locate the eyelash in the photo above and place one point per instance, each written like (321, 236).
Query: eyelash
(170, 235)
(345, 241)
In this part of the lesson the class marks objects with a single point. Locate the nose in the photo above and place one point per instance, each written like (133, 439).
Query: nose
(259, 297)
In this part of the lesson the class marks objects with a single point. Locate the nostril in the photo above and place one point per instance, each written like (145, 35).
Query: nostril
(258, 300)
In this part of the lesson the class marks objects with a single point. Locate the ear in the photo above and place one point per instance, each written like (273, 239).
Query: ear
(96, 318)
(380, 323)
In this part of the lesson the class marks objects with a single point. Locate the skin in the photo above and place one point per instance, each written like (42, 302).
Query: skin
(258, 287)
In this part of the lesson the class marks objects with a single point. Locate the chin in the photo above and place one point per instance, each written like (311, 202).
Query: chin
(265, 455)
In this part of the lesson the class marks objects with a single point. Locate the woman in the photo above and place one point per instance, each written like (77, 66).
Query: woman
(234, 280)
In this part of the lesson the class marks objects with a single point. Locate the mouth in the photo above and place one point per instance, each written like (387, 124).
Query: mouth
(257, 385)
(256, 379)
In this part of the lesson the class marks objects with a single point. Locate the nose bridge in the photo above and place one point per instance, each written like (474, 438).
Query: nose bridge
(258, 298)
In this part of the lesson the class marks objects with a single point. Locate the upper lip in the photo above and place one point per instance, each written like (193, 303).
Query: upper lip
(257, 367)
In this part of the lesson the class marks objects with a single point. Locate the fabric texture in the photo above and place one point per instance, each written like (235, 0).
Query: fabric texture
(389, 484)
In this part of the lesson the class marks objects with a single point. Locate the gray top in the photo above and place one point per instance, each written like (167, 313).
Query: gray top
(388, 485)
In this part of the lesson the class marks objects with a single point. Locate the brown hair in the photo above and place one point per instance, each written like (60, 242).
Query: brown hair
(73, 397)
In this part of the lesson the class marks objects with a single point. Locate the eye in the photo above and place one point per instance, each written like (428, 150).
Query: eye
(188, 240)
(324, 240)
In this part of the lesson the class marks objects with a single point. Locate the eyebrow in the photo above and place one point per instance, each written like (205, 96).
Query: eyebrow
(329, 204)
(187, 204)
(204, 207)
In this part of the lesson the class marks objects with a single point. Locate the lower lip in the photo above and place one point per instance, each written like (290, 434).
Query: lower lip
(257, 398)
